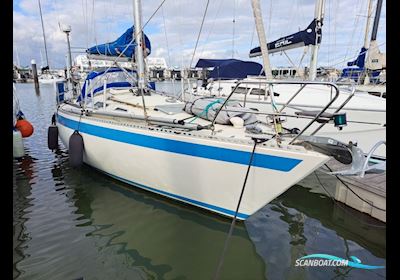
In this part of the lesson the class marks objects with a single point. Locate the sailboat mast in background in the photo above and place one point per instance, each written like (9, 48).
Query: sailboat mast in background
(319, 16)
(261, 37)
(44, 35)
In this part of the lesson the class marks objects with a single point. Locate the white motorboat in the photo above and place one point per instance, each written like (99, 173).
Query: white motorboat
(47, 78)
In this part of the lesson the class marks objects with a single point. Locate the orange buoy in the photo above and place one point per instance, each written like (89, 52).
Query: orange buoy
(25, 127)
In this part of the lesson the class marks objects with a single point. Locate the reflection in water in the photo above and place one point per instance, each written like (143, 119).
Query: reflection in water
(300, 223)
(71, 223)
(166, 239)
(22, 177)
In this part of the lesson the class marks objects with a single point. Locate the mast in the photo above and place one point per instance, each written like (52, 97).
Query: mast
(267, 67)
(369, 14)
(375, 60)
(44, 34)
(140, 43)
(18, 62)
(41, 59)
(376, 20)
(318, 15)
(261, 37)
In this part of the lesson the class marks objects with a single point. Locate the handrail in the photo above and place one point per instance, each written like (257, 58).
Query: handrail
(304, 84)
(290, 100)
(353, 90)
(365, 165)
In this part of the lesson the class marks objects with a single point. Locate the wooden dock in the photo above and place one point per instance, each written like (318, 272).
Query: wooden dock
(371, 188)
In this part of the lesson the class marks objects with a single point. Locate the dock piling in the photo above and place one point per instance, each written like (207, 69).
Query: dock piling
(35, 76)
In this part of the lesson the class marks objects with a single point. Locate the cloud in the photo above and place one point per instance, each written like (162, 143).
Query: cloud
(102, 21)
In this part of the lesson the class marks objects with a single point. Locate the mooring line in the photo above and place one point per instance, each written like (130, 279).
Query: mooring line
(221, 260)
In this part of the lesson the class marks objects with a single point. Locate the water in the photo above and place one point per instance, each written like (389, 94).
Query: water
(72, 223)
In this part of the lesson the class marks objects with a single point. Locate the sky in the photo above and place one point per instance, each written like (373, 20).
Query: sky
(228, 31)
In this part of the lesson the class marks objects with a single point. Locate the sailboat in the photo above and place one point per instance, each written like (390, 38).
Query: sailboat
(366, 114)
(195, 152)
(46, 76)
(368, 69)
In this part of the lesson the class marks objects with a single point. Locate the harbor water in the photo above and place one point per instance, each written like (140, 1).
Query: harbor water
(80, 224)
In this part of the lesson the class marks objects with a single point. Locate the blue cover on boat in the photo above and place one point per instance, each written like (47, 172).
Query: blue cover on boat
(355, 73)
(230, 68)
(302, 38)
(115, 48)
(360, 60)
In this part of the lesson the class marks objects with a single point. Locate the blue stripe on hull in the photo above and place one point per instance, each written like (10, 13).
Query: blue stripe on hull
(179, 147)
(207, 206)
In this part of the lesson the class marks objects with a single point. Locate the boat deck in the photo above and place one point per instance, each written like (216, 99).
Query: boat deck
(165, 107)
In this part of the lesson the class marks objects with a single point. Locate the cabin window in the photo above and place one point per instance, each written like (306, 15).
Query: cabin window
(99, 104)
(257, 91)
(241, 90)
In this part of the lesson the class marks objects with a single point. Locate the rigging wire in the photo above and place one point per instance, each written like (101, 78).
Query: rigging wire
(335, 8)
(361, 34)
(233, 28)
(166, 42)
(166, 38)
(270, 19)
(356, 55)
(44, 34)
(198, 36)
(252, 36)
(355, 24)
(133, 38)
(329, 31)
(212, 26)
(84, 21)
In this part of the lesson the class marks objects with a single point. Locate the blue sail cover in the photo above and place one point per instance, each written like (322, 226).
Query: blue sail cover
(230, 68)
(359, 69)
(302, 38)
(116, 78)
(116, 48)
(360, 60)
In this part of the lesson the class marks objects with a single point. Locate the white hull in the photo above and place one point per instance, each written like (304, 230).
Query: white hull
(204, 172)
(51, 81)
